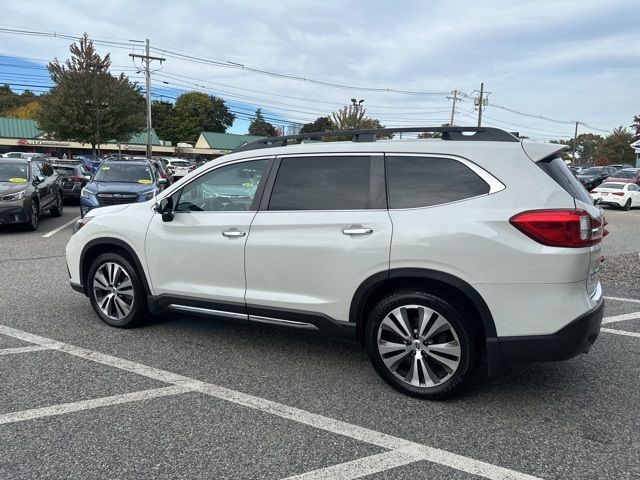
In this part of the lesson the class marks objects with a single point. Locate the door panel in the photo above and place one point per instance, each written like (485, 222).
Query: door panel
(191, 256)
(304, 261)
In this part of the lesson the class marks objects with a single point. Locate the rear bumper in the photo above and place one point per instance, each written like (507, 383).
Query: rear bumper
(575, 338)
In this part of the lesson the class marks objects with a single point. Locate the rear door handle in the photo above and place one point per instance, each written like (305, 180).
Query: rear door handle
(357, 231)
(233, 233)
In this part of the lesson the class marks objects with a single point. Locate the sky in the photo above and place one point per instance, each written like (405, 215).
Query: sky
(565, 61)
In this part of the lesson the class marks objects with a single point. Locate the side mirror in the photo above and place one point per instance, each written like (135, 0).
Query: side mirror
(39, 179)
(166, 209)
(162, 181)
(87, 178)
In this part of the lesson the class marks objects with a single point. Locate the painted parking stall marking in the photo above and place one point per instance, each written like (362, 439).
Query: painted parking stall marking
(16, 350)
(402, 451)
(621, 332)
(60, 228)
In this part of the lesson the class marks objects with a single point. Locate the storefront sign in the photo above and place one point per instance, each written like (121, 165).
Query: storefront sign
(42, 143)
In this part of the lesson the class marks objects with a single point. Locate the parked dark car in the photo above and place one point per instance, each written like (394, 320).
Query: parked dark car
(74, 176)
(27, 189)
(594, 176)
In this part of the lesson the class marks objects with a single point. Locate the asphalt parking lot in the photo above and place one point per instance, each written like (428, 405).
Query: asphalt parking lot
(186, 397)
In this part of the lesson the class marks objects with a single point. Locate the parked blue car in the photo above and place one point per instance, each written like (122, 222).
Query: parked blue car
(117, 182)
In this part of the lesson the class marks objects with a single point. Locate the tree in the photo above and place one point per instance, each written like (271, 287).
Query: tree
(193, 113)
(353, 117)
(161, 113)
(29, 110)
(432, 134)
(586, 146)
(260, 127)
(636, 125)
(320, 124)
(11, 101)
(85, 95)
(615, 147)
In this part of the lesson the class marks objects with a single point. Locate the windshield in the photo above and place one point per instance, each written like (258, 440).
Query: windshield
(591, 171)
(624, 174)
(14, 172)
(612, 186)
(119, 172)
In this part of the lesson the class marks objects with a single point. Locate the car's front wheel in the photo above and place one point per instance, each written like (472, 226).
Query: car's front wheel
(58, 207)
(116, 291)
(34, 216)
(421, 344)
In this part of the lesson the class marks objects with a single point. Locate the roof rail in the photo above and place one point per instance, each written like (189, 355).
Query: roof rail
(478, 134)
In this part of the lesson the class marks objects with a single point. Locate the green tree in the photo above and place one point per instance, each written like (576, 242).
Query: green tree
(636, 125)
(28, 110)
(353, 117)
(320, 124)
(85, 94)
(194, 113)
(161, 113)
(11, 101)
(586, 146)
(615, 147)
(260, 127)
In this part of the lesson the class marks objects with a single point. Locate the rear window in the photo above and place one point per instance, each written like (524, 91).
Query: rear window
(414, 182)
(624, 174)
(612, 186)
(558, 170)
(66, 171)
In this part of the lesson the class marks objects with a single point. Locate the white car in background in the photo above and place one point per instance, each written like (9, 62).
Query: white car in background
(178, 168)
(617, 194)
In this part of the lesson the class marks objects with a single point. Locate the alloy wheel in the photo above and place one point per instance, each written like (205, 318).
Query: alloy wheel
(113, 290)
(35, 214)
(419, 346)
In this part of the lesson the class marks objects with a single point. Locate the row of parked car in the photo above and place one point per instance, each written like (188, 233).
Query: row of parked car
(32, 184)
(612, 185)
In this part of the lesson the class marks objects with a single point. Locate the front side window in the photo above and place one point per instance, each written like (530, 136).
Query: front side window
(124, 173)
(414, 182)
(229, 188)
(322, 183)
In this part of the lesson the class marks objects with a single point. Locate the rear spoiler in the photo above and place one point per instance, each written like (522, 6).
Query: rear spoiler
(539, 151)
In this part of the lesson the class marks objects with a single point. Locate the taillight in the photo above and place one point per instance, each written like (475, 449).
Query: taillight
(618, 194)
(560, 228)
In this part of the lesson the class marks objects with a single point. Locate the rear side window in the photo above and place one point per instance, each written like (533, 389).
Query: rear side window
(558, 170)
(322, 183)
(424, 181)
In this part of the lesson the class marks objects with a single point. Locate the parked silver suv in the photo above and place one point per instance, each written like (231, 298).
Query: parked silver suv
(436, 255)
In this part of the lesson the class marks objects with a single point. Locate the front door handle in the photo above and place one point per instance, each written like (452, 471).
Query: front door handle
(233, 233)
(357, 231)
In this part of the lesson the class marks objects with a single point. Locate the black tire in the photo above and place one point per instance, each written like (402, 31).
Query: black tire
(34, 216)
(138, 311)
(468, 337)
(58, 207)
(627, 206)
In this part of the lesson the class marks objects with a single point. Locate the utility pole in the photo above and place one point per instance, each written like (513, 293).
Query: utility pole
(480, 104)
(573, 154)
(453, 107)
(146, 58)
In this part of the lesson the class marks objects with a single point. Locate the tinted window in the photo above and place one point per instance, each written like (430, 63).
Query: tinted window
(65, 171)
(558, 170)
(35, 170)
(616, 186)
(592, 171)
(322, 183)
(423, 181)
(229, 189)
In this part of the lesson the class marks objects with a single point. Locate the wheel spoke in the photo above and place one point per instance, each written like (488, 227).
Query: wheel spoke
(413, 377)
(450, 365)
(124, 306)
(390, 325)
(450, 348)
(393, 361)
(100, 281)
(385, 347)
(116, 274)
(102, 302)
(403, 319)
(425, 314)
(439, 325)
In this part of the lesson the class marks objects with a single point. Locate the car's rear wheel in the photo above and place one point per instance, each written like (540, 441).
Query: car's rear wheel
(57, 209)
(627, 206)
(34, 216)
(421, 344)
(116, 291)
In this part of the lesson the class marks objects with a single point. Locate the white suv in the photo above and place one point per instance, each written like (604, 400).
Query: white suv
(437, 255)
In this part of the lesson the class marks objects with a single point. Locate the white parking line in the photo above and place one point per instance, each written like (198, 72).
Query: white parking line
(621, 332)
(362, 466)
(435, 455)
(621, 318)
(621, 299)
(53, 232)
(89, 404)
(30, 348)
